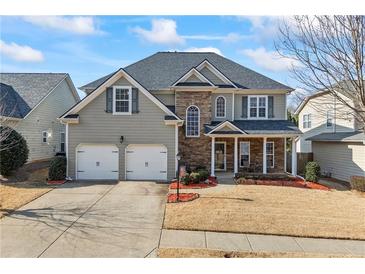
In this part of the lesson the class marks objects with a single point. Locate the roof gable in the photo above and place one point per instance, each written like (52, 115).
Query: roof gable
(192, 77)
(227, 127)
(109, 82)
(27, 90)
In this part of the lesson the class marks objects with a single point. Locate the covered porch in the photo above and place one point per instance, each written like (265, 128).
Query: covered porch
(234, 151)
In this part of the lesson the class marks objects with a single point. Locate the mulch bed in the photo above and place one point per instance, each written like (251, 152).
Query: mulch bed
(60, 182)
(183, 197)
(192, 186)
(292, 183)
(212, 182)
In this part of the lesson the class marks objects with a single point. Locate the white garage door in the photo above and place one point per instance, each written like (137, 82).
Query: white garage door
(146, 162)
(97, 162)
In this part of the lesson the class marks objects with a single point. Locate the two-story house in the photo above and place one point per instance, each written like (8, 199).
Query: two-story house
(331, 133)
(31, 103)
(203, 108)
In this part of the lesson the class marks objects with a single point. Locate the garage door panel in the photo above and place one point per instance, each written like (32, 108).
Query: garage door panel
(98, 162)
(146, 162)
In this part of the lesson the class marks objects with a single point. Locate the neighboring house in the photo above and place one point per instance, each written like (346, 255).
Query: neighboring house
(138, 121)
(331, 132)
(31, 104)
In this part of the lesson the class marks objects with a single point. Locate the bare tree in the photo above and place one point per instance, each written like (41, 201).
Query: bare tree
(328, 53)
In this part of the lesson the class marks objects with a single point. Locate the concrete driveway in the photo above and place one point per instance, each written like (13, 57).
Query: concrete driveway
(83, 219)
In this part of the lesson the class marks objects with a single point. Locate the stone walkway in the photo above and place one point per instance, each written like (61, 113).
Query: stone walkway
(258, 243)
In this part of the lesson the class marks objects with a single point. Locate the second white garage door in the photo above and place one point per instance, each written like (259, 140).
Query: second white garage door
(146, 162)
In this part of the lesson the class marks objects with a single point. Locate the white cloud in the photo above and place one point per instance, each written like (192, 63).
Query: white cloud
(163, 32)
(270, 60)
(21, 53)
(266, 27)
(76, 24)
(204, 49)
(229, 38)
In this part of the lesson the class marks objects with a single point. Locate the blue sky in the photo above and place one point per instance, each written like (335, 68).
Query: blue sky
(90, 47)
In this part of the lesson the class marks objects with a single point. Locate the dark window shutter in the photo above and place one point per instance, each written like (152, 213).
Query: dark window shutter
(135, 100)
(109, 100)
(271, 107)
(244, 106)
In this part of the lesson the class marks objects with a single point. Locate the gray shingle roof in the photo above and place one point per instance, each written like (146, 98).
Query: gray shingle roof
(23, 91)
(355, 136)
(261, 126)
(162, 69)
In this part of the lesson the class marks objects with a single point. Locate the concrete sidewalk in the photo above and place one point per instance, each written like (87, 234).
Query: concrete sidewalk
(258, 243)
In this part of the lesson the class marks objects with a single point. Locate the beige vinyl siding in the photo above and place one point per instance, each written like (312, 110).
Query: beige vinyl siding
(228, 97)
(44, 118)
(279, 106)
(98, 127)
(342, 160)
(167, 99)
(193, 78)
(211, 76)
(317, 107)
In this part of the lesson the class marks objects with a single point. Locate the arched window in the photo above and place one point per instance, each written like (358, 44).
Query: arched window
(220, 107)
(192, 121)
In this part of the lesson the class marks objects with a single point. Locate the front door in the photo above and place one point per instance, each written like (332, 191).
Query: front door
(220, 156)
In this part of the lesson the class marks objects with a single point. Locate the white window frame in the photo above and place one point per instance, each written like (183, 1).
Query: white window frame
(249, 153)
(64, 143)
(307, 123)
(44, 135)
(129, 100)
(186, 117)
(273, 153)
(216, 107)
(257, 107)
(329, 115)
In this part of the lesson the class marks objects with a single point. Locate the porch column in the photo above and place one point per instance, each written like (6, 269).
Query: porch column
(285, 154)
(235, 166)
(212, 162)
(293, 157)
(264, 161)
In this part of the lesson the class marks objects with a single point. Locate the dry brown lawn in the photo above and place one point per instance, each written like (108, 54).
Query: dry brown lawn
(209, 253)
(16, 194)
(273, 210)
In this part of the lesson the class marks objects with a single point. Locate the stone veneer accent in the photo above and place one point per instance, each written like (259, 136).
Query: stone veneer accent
(195, 151)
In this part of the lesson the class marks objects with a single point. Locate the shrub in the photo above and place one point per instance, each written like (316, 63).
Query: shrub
(312, 171)
(14, 151)
(358, 183)
(200, 167)
(57, 169)
(185, 179)
(195, 177)
(203, 174)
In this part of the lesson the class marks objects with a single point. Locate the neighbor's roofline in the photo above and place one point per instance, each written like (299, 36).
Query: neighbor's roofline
(306, 100)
